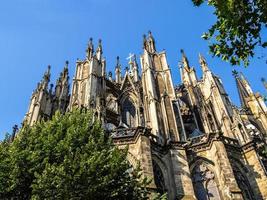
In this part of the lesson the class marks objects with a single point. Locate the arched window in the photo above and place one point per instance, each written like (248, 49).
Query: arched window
(211, 122)
(128, 113)
(243, 185)
(204, 183)
(83, 91)
(158, 178)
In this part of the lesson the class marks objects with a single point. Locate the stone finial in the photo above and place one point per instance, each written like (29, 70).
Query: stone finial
(118, 61)
(46, 77)
(150, 36)
(15, 130)
(235, 73)
(90, 43)
(202, 60)
(184, 60)
(144, 41)
(151, 42)
(118, 71)
(90, 49)
(126, 69)
(144, 37)
(99, 50)
(203, 63)
(100, 43)
(110, 75)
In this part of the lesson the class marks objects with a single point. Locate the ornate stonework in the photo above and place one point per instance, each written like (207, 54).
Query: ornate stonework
(190, 139)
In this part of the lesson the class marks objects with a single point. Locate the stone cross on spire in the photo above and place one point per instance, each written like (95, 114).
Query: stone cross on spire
(130, 57)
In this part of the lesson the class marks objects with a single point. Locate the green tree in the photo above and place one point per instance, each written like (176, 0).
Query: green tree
(68, 157)
(4, 165)
(238, 29)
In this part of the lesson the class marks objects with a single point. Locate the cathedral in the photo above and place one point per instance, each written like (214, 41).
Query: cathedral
(188, 138)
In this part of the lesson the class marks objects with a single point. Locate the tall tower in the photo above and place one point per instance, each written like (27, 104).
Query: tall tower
(41, 102)
(160, 102)
(159, 94)
(88, 88)
(61, 96)
(193, 98)
(252, 102)
(218, 104)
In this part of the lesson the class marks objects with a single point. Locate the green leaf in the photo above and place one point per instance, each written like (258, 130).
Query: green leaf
(68, 157)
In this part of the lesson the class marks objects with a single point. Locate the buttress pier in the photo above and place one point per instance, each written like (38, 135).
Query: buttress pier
(189, 138)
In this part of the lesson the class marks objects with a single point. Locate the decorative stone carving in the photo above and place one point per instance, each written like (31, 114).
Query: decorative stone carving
(204, 183)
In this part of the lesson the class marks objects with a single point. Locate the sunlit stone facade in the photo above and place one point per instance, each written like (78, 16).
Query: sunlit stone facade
(190, 139)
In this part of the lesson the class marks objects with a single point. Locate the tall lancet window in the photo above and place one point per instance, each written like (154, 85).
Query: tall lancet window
(158, 178)
(128, 113)
(243, 185)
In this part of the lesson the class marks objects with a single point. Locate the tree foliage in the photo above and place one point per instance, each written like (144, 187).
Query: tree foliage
(68, 157)
(238, 29)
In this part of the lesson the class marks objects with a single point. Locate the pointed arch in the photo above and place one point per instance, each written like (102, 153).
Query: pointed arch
(204, 180)
(129, 112)
(243, 184)
(160, 174)
(240, 171)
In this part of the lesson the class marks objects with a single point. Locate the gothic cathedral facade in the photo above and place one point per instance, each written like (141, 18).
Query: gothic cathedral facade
(189, 139)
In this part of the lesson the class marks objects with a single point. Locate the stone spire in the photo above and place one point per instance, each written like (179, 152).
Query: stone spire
(110, 76)
(131, 62)
(203, 63)
(39, 101)
(62, 90)
(149, 43)
(14, 132)
(144, 42)
(63, 80)
(188, 74)
(118, 71)
(99, 50)
(243, 87)
(185, 60)
(90, 49)
(135, 69)
(46, 78)
(250, 101)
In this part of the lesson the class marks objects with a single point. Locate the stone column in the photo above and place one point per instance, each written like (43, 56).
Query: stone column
(225, 175)
(182, 177)
(257, 176)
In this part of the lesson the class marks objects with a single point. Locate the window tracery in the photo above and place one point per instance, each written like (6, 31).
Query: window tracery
(243, 184)
(129, 113)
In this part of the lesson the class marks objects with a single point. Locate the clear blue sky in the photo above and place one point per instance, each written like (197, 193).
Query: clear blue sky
(35, 33)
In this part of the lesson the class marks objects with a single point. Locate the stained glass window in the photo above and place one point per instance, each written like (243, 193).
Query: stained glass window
(128, 113)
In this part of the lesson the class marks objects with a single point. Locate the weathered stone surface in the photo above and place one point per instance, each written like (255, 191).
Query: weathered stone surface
(190, 139)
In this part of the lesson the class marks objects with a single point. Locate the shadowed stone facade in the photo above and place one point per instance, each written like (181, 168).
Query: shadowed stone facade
(190, 139)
